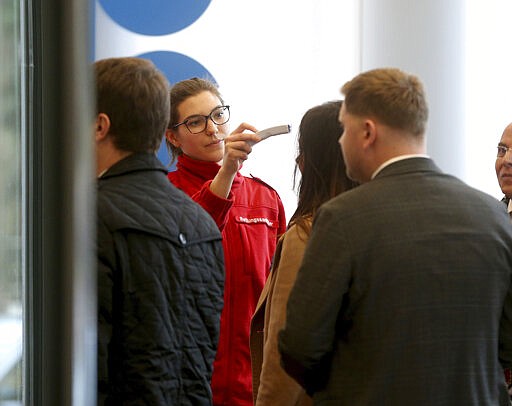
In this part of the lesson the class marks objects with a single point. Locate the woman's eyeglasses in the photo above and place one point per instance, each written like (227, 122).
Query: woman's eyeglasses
(198, 123)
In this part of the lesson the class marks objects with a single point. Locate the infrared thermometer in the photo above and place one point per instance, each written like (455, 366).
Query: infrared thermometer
(269, 132)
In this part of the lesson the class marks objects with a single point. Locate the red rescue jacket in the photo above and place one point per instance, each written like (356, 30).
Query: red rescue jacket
(251, 220)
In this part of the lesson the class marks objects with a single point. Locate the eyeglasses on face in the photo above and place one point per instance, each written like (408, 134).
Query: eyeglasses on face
(198, 123)
(502, 151)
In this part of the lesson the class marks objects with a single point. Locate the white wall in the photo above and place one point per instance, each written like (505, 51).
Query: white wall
(461, 51)
(282, 58)
(425, 38)
(488, 88)
(285, 56)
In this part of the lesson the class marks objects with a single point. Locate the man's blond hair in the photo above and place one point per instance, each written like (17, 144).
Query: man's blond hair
(394, 97)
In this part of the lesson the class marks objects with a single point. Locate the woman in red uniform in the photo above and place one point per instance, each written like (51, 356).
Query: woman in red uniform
(249, 213)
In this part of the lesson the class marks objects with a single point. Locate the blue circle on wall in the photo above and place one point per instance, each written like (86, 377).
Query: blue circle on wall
(175, 67)
(154, 17)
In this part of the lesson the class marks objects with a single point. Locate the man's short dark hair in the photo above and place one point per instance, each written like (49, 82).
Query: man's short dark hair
(134, 94)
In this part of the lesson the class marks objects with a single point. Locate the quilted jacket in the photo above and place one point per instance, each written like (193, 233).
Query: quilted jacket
(160, 289)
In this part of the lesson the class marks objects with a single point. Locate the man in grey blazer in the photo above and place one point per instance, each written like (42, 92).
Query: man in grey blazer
(503, 166)
(404, 294)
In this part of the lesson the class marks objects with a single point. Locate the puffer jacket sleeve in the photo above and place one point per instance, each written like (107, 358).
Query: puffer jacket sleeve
(105, 284)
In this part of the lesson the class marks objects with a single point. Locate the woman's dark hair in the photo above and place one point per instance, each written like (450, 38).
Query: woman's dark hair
(320, 162)
(180, 92)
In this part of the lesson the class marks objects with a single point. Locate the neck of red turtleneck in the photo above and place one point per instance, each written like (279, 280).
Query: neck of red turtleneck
(202, 169)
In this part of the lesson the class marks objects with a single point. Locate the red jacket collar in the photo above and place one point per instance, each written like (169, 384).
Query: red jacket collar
(203, 169)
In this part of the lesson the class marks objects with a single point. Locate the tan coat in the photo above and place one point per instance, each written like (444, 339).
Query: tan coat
(271, 385)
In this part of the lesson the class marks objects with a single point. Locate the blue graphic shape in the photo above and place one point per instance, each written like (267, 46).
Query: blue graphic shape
(155, 17)
(175, 67)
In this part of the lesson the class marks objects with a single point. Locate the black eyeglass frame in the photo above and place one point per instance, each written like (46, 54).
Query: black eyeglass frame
(209, 116)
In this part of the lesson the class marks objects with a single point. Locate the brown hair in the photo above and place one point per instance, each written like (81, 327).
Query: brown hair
(321, 162)
(390, 95)
(134, 94)
(180, 92)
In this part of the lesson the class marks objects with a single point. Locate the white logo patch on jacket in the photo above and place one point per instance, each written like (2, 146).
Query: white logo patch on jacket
(255, 220)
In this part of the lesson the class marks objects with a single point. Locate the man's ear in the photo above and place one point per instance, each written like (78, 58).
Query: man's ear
(101, 127)
(370, 134)
(170, 135)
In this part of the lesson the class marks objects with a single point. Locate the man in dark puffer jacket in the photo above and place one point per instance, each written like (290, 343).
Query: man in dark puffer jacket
(160, 259)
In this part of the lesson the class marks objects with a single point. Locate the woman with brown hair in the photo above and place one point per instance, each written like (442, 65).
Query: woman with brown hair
(323, 176)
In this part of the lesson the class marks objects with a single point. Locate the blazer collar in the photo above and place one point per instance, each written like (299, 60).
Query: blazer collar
(414, 164)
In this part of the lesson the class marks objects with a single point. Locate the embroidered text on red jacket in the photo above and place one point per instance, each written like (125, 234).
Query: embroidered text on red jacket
(255, 220)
